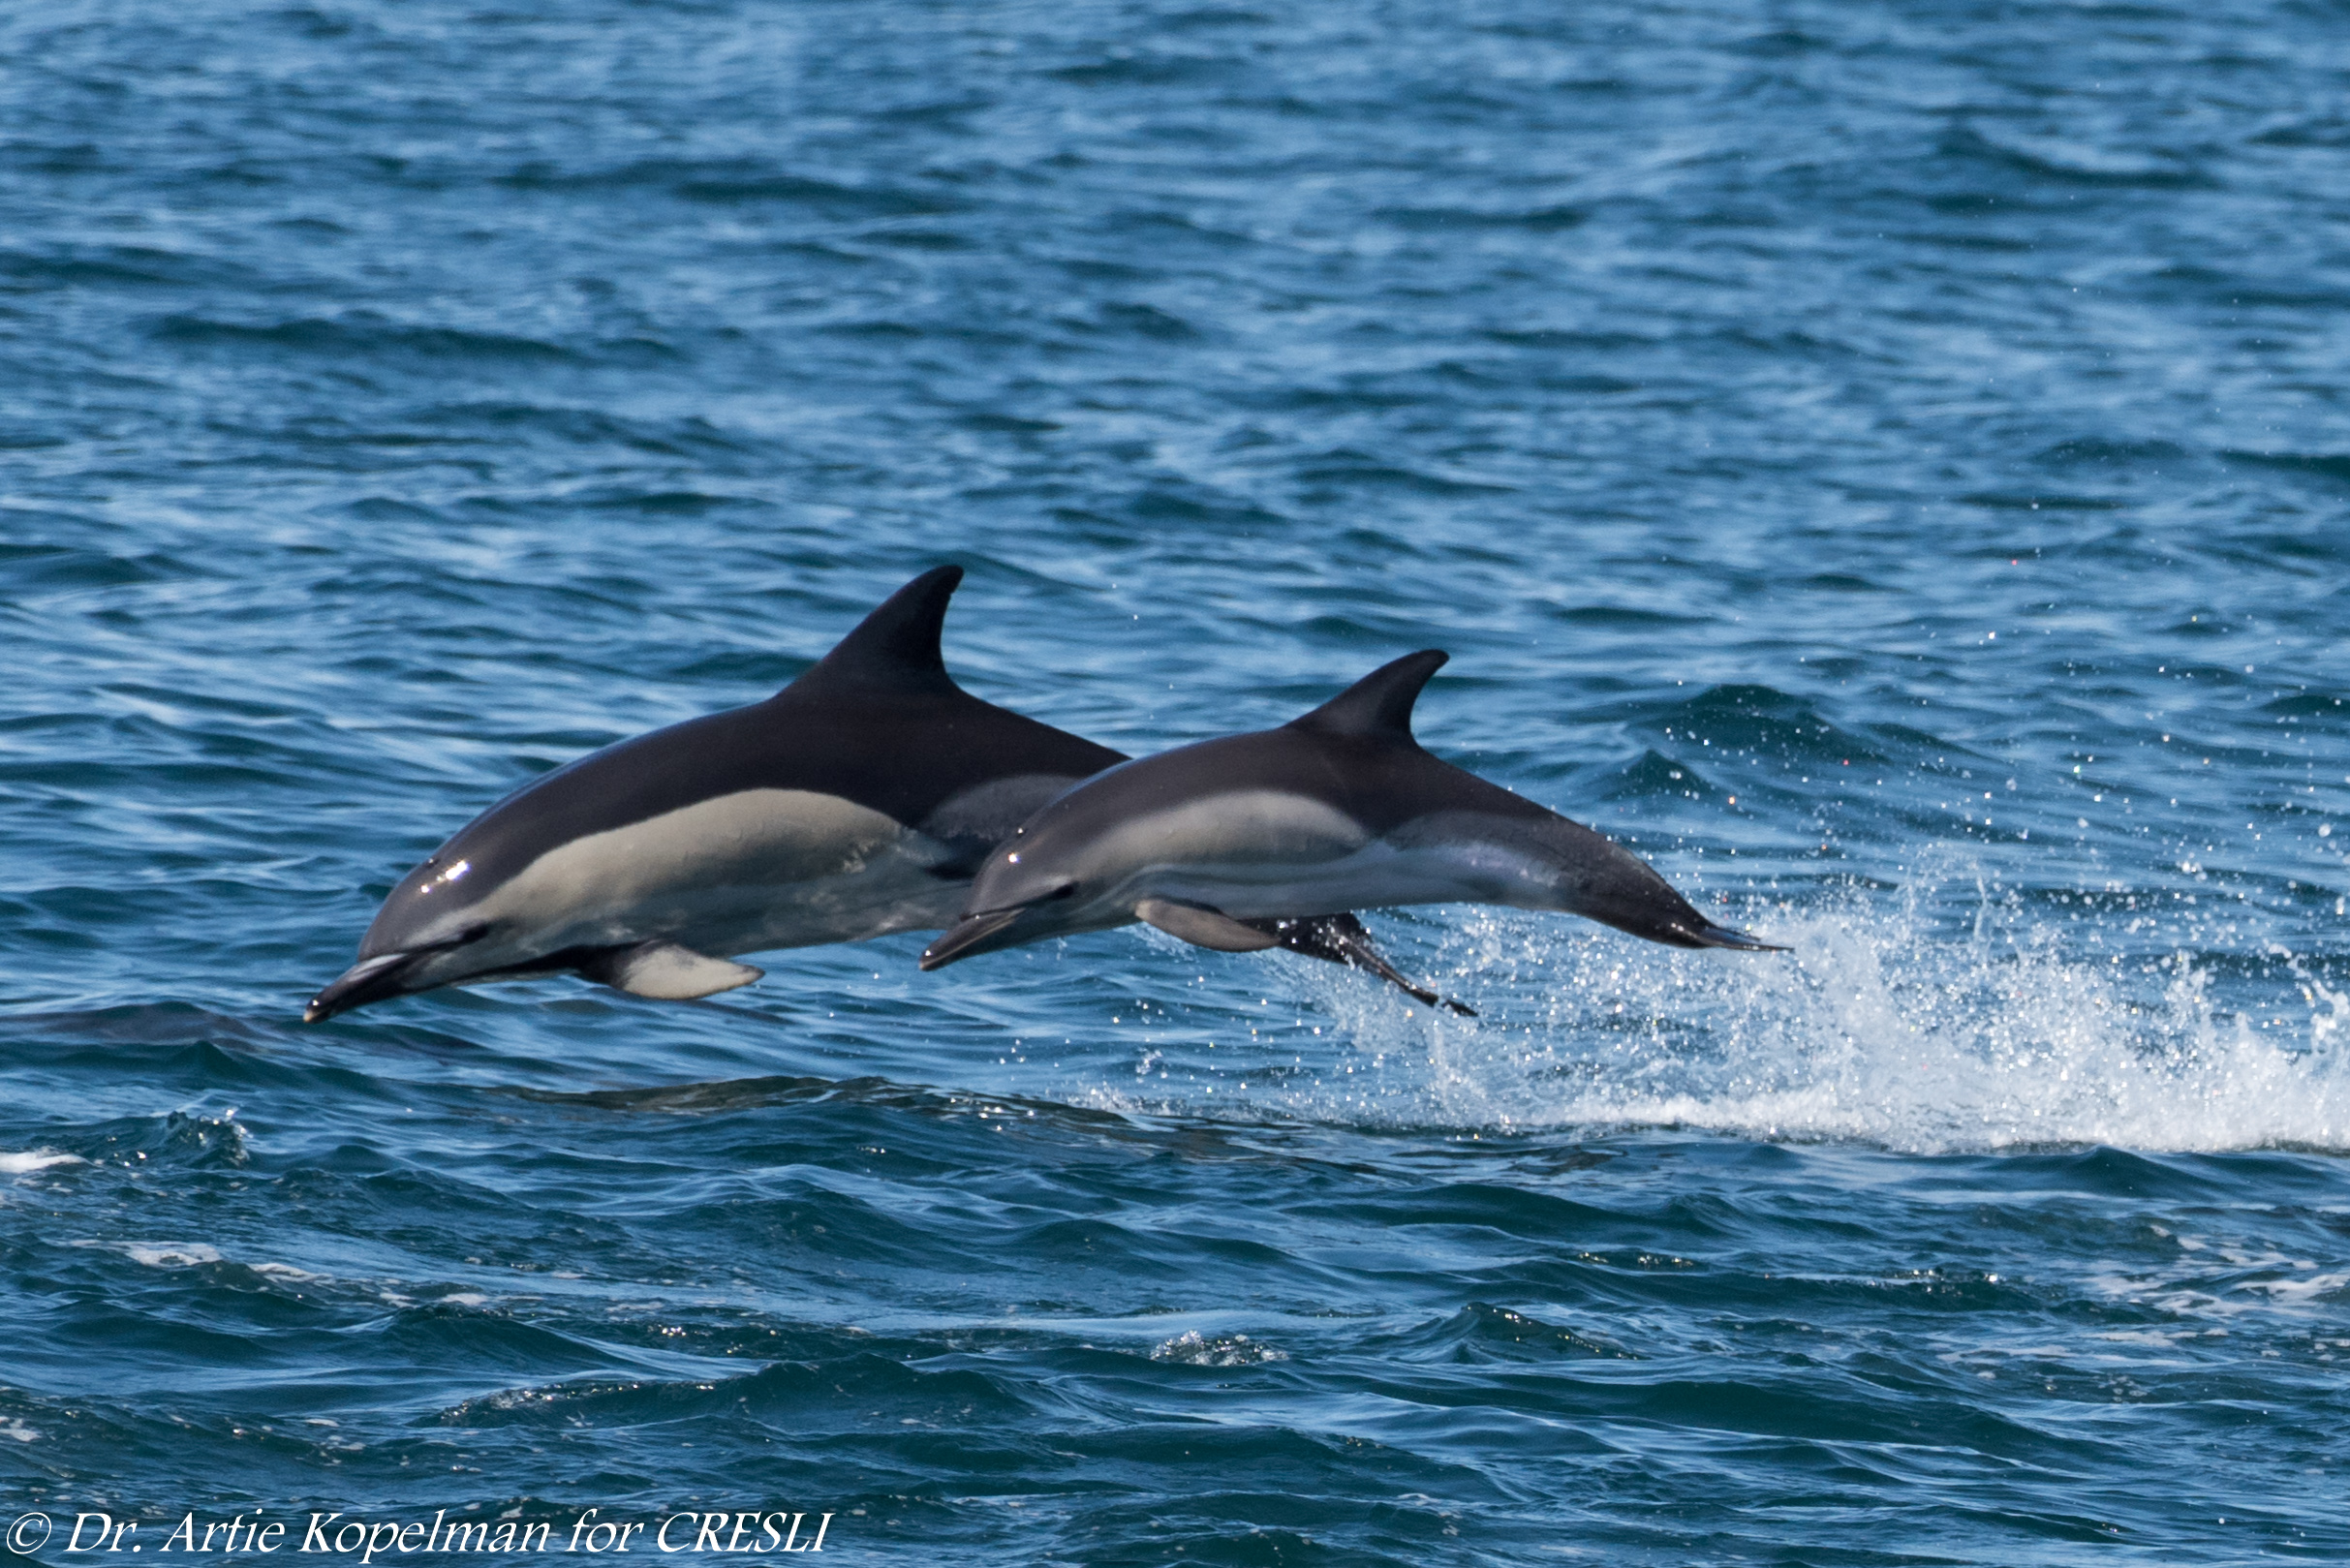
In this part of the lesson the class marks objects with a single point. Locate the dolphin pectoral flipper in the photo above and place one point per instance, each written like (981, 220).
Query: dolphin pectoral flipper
(1340, 938)
(1203, 927)
(1335, 938)
(666, 972)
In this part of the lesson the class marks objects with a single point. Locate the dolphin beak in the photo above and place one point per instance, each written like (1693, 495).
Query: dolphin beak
(1709, 935)
(370, 979)
(970, 935)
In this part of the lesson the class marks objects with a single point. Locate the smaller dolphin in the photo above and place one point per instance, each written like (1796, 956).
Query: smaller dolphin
(855, 802)
(1339, 810)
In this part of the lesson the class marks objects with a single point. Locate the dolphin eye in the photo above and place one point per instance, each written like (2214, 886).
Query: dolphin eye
(1064, 891)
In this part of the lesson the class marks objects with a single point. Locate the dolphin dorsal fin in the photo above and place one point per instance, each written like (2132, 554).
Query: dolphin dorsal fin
(896, 646)
(1378, 706)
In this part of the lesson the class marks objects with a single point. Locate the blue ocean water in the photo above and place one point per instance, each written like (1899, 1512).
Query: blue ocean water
(1888, 465)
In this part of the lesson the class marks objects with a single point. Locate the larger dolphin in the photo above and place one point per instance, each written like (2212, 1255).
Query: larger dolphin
(855, 802)
(1339, 810)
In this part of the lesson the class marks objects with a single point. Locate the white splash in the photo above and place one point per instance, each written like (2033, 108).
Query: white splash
(35, 1159)
(172, 1255)
(1217, 1350)
(1880, 1027)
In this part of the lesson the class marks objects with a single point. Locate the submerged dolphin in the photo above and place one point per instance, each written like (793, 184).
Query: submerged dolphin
(855, 802)
(1339, 810)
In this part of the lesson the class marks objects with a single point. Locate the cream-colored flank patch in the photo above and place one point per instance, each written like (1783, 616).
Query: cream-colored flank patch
(1245, 826)
(762, 838)
(1265, 853)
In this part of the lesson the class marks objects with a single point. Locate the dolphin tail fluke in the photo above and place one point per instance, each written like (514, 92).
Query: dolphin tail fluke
(1600, 879)
(1334, 939)
(1340, 938)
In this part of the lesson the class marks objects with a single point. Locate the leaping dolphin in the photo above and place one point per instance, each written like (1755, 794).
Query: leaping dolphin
(1339, 810)
(855, 802)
